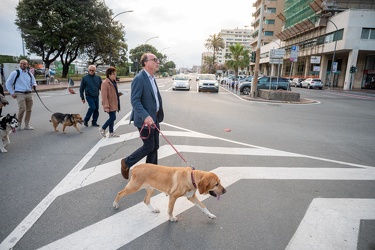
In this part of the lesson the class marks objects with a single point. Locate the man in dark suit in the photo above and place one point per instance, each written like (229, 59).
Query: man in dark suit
(147, 113)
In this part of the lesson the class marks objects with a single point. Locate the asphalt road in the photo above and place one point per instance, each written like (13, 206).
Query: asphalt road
(298, 176)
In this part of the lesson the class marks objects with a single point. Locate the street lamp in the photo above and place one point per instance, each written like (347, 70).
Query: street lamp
(164, 49)
(333, 57)
(120, 14)
(150, 39)
(110, 55)
(170, 56)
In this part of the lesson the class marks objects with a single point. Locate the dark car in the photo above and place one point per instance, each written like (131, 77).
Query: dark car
(264, 82)
(246, 79)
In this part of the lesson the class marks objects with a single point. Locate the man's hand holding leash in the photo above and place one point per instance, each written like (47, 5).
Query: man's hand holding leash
(149, 121)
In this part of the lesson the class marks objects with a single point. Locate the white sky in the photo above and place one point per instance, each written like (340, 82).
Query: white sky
(182, 27)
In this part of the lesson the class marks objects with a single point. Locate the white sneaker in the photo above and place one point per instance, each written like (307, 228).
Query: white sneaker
(28, 127)
(113, 135)
(102, 132)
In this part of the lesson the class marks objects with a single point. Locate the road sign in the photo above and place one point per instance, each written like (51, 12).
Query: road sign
(276, 61)
(294, 53)
(277, 53)
(315, 59)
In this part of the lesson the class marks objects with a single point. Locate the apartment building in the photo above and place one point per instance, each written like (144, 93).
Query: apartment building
(271, 24)
(231, 37)
(330, 38)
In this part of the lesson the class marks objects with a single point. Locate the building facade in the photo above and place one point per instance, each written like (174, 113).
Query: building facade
(331, 37)
(231, 37)
(271, 24)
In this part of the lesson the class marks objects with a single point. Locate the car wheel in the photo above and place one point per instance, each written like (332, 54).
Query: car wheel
(246, 90)
(320, 88)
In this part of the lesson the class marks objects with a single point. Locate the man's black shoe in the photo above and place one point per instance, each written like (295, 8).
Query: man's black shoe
(85, 123)
(95, 125)
(124, 169)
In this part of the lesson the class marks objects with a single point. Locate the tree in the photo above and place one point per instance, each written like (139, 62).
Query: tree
(136, 54)
(66, 29)
(240, 57)
(214, 43)
(108, 45)
(208, 61)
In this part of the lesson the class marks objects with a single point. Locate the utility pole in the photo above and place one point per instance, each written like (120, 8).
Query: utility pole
(254, 85)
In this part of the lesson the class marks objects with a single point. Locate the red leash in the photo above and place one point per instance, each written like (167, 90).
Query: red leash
(149, 131)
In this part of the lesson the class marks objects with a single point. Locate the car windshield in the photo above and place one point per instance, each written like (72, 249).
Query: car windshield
(207, 77)
(181, 78)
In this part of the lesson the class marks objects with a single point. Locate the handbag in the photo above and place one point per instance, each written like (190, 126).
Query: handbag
(3, 101)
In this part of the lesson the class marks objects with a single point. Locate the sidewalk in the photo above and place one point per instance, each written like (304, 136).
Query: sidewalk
(64, 85)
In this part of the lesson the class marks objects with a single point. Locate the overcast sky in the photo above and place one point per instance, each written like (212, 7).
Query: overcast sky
(182, 27)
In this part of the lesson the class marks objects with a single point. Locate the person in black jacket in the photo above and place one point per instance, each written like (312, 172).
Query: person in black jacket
(90, 86)
(1, 92)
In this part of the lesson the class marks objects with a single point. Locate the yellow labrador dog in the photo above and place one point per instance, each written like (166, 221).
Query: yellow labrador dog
(173, 181)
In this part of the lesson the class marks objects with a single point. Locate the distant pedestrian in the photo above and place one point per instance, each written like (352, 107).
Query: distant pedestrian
(1, 92)
(19, 84)
(2, 78)
(90, 87)
(147, 113)
(110, 101)
(32, 71)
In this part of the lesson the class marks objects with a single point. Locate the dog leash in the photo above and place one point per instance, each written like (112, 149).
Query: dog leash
(149, 131)
(41, 100)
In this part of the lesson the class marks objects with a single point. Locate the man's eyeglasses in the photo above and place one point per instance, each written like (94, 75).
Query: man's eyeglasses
(91, 70)
(154, 59)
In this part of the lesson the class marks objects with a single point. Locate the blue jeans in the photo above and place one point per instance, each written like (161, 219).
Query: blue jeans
(149, 148)
(93, 110)
(110, 122)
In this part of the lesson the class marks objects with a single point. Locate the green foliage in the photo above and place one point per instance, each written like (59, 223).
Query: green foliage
(9, 59)
(136, 54)
(214, 43)
(67, 29)
(240, 57)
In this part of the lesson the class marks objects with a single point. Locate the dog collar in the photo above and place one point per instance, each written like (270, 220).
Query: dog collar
(192, 179)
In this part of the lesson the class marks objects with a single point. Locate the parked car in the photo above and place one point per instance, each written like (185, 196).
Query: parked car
(246, 79)
(312, 83)
(181, 82)
(370, 85)
(296, 82)
(208, 82)
(264, 83)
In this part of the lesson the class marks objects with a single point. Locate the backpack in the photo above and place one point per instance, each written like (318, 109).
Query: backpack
(18, 75)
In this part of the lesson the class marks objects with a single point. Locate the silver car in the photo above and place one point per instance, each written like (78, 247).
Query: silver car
(181, 82)
(312, 83)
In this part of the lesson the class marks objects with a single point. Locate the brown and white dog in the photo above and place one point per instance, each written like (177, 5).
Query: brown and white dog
(174, 182)
(66, 120)
(8, 124)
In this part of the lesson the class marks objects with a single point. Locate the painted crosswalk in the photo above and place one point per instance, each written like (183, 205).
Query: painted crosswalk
(114, 232)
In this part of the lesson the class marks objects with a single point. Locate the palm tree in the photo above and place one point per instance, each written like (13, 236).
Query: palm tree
(240, 57)
(214, 43)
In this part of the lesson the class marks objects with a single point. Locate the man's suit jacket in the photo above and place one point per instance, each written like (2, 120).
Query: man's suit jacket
(143, 100)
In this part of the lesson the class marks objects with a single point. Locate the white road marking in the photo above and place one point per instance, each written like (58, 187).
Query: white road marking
(125, 226)
(332, 224)
(77, 178)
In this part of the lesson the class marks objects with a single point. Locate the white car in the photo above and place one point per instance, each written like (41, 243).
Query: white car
(208, 82)
(181, 82)
(312, 83)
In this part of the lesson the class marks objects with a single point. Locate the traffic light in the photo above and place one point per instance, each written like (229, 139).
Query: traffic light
(253, 56)
(353, 69)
